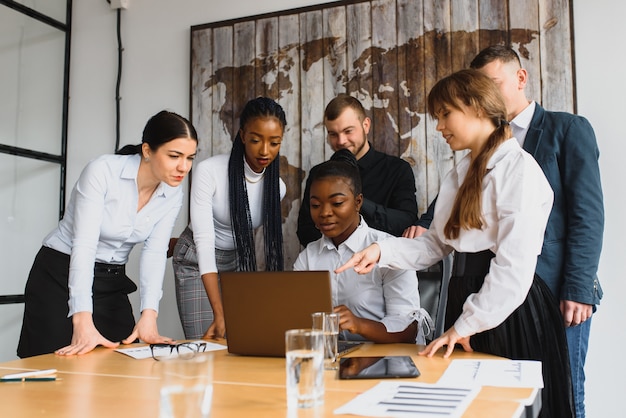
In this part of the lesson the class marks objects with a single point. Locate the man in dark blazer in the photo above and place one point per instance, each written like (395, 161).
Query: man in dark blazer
(565, 147)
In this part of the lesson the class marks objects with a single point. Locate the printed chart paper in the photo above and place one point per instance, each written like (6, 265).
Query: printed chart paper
(420, 400)
(502, 373)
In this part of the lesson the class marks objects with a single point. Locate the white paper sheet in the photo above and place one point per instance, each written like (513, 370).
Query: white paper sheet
(423, 400)
(504, 373)
(144, 351)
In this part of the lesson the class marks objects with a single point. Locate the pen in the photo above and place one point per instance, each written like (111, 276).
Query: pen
(28, 374)
(29, 379)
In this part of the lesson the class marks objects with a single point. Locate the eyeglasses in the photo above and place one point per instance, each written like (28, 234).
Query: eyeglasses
(183, 350)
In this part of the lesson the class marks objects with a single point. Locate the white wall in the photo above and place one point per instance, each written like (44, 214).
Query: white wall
(156, 73)
(600, 63)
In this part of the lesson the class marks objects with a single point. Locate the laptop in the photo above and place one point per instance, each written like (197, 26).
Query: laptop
(260, 306)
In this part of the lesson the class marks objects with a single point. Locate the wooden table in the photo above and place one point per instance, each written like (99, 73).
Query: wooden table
(105, 383)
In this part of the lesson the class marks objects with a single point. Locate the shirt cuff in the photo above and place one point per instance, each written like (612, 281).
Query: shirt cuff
(385, 253)
(463, 328)
(75, 305)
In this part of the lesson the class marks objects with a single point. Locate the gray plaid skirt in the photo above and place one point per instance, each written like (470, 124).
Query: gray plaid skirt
(194, 308)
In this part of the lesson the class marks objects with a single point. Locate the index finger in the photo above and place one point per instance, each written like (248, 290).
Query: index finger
(353, 261)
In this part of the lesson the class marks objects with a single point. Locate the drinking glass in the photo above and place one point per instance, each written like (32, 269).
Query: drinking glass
(328, 323)
(304, 351)
(187, 386)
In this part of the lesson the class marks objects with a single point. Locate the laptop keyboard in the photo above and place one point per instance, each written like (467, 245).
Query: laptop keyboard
(344, 347)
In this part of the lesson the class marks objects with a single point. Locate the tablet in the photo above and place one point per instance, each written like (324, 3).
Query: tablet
(386, 367)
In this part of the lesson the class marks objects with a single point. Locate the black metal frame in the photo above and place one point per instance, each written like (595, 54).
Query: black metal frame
(28, 153)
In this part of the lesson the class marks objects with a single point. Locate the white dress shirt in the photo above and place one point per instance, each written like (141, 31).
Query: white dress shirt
(101, 224)
(210, 207)
(383, 295)
(521, 122)
(516, 203)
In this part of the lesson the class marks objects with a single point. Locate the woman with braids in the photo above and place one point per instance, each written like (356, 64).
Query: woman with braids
(382, 306)
(77, 289)
(231, 195)
(492, 210)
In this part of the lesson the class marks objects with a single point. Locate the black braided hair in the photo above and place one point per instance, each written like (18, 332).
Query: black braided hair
(238, 195)
(341, 164)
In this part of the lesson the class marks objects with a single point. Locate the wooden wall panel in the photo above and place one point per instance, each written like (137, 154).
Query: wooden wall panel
(412, 93)
(556, 67)
(223, 127)
(388, 54)
(384, 70)
(202, 98)
(524, 24)
(266, 72)
(244, 70)
(359, 41)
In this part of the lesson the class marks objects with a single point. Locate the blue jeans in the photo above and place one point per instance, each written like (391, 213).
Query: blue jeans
(578, 342)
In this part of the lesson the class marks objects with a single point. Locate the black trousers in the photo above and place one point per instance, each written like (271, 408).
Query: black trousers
(534, 331)
(46, 326)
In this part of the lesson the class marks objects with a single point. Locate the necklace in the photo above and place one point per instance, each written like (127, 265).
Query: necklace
(253, 181)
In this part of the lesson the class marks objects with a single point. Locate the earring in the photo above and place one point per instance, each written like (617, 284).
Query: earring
(147, 159)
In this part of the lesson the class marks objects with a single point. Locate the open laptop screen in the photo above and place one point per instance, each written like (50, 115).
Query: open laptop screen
(260, 306)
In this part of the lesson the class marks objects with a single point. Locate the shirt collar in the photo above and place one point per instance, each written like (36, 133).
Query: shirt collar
(368, 160)
(131, 169)
(250, 174)
(463, 166)
(354, 241)
(502, 150)
(525, 116)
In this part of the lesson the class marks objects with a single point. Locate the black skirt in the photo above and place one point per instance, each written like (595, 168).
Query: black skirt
(46, 326)
(534, 331)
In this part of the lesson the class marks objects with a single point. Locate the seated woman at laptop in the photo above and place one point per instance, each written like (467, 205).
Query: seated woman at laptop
(231, 195)
(382, 306)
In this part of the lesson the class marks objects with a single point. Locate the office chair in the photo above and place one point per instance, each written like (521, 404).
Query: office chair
(433, 290)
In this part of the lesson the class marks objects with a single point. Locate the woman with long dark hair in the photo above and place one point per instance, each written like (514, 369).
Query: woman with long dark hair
(231, 196)
(492, 210)
(119, 201)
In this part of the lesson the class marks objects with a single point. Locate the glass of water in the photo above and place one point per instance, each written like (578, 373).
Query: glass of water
(304, 352)
(187, 386)
(328, 323)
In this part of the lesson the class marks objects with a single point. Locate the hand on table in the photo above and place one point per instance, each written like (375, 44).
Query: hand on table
(449, 339)
(146, 330)
(85, 336)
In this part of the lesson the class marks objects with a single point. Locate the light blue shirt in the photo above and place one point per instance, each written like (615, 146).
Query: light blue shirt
(383, 295)
(101, 224)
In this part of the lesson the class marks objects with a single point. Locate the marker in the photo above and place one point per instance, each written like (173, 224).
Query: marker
(29, 379)
(28, 374)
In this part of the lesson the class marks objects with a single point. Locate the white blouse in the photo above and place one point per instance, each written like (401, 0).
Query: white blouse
(516, 203)
(210, 207)
(383, 295)
(101, 224)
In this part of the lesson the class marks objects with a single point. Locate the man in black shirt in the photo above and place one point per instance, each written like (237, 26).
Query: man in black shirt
(388, 183)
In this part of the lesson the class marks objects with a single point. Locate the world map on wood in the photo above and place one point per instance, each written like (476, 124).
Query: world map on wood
(386, 53)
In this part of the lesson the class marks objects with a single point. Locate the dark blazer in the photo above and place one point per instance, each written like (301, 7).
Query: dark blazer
(565, 147)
